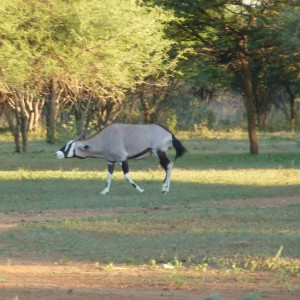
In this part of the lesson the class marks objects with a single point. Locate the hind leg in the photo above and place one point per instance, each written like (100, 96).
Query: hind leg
(111, 167)
(125, 168)
(167, 166)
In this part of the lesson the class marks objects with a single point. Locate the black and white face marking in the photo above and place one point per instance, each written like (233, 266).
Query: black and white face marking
(66, 151)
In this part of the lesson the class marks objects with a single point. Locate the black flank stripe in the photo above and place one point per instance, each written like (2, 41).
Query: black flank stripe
(140, 154)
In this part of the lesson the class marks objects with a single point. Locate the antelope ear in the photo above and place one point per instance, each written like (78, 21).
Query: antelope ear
(84, 147)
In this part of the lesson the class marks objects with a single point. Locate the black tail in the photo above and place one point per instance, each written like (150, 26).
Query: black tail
(180, 150)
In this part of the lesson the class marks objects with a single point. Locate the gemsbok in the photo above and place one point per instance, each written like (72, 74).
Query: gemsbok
(121, 142)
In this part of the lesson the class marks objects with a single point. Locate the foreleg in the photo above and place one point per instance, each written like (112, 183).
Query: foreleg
(111, 167)
(125, 168)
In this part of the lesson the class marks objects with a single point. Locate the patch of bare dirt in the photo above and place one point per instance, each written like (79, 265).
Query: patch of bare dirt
(9, 220)
(261, 202)
(85, 281)
(31, 280)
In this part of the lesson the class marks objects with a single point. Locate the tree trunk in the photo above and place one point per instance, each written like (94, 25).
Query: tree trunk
(51, 111)
(37, 110)
(246, 75)
(148, 116)
(22, 117)
(263, 98)
(292, 105)
(12, 119)
(24, 125)
(262, 119)
(83, 108)
(16, 135)
(148, 110)
(293, 112)
(251, 115)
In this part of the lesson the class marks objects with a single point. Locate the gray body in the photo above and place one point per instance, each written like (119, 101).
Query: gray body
(121, 142)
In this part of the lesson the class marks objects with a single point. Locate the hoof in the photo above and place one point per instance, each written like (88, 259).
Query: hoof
(164, 190)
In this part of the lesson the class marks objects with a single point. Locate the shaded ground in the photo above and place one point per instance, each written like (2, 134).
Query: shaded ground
(32, 280)
(12, 219)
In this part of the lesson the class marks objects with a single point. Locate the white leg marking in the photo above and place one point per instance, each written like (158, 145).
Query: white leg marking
(106, 189)
(127, 176)
(166, 185)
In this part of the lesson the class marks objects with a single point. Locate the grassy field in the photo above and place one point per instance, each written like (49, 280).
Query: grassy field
(206, 221)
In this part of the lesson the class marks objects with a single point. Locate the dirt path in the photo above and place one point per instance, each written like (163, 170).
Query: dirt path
(31, 280)
(86, 281)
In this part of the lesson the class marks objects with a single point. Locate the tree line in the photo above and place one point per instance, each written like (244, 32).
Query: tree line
(93, 59)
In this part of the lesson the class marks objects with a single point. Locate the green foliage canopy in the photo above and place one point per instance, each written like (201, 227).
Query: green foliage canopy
(213, 30)
(105, 44)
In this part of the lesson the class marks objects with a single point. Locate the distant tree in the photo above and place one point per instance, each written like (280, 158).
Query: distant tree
(276, 61)
(222, 32)
(288, 67)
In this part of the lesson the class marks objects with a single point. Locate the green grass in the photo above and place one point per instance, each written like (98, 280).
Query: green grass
(189, 234)
(40, 190)
(184, 226)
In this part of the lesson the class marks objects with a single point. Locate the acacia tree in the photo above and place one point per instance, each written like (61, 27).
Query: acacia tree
(106, 46)
(33, 39)
(221, 31)
(276, 62)
(288, 64)
(123, 48)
